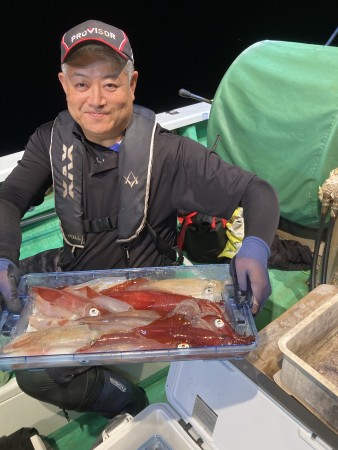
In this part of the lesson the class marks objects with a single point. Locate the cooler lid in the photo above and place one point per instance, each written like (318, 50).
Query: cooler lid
(227, 410)
(217, 400)
(198, 391)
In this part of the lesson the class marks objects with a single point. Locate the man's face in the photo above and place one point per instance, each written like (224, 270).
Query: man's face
(99, 98)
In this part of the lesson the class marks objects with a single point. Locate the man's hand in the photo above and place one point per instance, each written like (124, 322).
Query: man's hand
(9, 280)
(251, 265)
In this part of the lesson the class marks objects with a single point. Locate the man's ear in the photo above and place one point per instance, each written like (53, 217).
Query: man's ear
(133, 81)
(62, 79)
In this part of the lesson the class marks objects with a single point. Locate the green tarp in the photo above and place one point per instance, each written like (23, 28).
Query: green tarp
(276, 111)
(40, 229)
(197, 132)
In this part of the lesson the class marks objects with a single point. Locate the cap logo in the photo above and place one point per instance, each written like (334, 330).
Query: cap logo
(90, 31)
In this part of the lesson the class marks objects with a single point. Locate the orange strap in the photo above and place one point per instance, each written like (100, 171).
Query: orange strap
(186, 221)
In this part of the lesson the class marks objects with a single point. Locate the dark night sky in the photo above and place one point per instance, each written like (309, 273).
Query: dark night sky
(186, 44)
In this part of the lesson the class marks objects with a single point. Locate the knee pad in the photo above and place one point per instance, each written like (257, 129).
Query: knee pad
(97, 389)
(116, 395)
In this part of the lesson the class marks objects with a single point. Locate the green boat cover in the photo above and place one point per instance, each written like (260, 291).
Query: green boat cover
(197, 132)
(276, 113)
(40, 229)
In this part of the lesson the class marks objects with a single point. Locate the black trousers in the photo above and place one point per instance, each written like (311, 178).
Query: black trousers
(94, 389)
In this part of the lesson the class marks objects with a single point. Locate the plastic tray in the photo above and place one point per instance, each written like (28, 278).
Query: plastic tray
(240, 318)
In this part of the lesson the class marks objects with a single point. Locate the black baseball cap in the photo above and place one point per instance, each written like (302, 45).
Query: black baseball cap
(96, 31)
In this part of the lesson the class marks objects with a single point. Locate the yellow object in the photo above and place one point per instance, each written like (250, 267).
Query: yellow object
(4, 377)
(235, 234)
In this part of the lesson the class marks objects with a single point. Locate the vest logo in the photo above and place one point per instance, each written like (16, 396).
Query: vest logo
(68, 181)
(131, 179)
(74, 237)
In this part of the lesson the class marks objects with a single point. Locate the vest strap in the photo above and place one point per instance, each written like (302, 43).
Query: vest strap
(98, 225)
(175, 254)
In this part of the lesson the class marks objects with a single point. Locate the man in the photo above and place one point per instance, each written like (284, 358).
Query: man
(119, 179)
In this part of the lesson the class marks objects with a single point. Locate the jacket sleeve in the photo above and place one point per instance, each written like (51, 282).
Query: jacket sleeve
(10, 231)
(260, 209)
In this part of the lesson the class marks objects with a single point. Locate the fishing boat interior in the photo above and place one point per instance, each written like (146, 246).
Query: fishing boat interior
(275, 113)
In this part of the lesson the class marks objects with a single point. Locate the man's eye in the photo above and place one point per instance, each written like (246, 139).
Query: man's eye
(110, 86)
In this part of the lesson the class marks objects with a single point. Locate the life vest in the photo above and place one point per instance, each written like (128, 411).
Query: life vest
(66, 155)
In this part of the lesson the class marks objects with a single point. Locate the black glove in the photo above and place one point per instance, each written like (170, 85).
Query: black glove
(251, 265)
(10, 277)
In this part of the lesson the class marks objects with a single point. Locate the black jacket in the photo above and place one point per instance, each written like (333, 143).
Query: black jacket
(185, 176)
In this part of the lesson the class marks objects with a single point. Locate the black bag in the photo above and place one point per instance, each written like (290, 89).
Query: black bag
(288, 254)
(19, 440)
(202, 237)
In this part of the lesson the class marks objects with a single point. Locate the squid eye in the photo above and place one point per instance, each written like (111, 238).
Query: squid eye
(94, 312)
(183, 345)
(219, 323)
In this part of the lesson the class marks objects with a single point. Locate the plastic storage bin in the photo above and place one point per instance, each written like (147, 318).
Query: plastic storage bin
(310, 362)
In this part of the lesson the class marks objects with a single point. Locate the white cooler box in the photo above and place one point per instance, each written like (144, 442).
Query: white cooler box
(213, 406)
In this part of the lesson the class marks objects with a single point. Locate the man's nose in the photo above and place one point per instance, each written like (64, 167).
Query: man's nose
(97, 97)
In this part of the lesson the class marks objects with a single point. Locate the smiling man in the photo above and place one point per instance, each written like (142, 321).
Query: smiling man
(119, 179)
